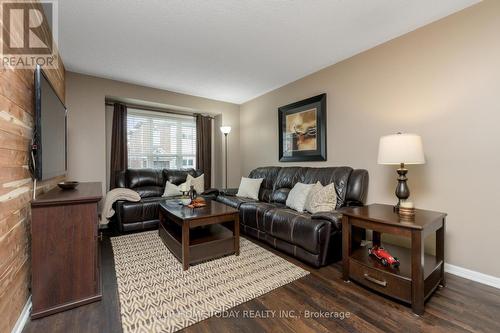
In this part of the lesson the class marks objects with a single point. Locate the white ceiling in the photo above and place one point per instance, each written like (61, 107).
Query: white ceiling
(229, 50)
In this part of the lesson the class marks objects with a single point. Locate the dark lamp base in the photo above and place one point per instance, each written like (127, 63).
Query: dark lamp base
(402, 190)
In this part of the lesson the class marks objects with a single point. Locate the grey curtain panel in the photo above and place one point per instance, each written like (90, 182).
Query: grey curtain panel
(119, 154)
(204, 147)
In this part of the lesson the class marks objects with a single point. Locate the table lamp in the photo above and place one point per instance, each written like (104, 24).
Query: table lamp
(400, 149)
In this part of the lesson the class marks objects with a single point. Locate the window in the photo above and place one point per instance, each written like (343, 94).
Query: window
(159, 140)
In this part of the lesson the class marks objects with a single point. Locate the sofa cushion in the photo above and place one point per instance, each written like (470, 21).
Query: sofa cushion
(252, 213)
(314, 259)
(178, 177)
(144, 177)
(285, 181)
(296, 228)
(149, 191)
(141, 225)
(334, 217)
(144, 210)
(280, 195)
(269, 175)
(232, 201)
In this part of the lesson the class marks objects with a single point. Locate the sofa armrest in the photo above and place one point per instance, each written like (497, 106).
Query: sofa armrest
(118, 216)
(229, 191)
(211, 191)
(333, 216)
(353, 203)
(210, 194)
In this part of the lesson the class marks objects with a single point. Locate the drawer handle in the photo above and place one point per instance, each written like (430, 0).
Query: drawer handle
(371, 279)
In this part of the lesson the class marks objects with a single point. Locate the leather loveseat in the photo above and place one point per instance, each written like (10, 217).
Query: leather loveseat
(150, 184)
(313, 238)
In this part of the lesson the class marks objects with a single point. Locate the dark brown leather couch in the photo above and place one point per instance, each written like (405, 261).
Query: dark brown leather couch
(150, 184)
(313, 238)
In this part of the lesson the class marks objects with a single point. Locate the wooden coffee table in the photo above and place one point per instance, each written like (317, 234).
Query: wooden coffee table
(197, 234)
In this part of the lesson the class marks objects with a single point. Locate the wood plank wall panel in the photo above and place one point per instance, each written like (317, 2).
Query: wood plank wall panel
(16, 186)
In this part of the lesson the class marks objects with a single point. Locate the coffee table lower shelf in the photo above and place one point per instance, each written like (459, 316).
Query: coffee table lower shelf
(207, 242)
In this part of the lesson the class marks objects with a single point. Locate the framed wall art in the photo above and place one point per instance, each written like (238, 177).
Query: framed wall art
(302, 130)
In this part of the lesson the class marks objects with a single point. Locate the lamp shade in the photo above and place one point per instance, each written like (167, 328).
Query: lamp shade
(225, 129)
(401, 148)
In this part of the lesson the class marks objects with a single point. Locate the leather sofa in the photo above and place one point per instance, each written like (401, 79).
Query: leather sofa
(313, 238)
(150, 184)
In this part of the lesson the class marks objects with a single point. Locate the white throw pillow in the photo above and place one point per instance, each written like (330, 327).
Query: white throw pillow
(321, 198)
(249, 188)
(198, 183)
(297, 197)
(172, 190)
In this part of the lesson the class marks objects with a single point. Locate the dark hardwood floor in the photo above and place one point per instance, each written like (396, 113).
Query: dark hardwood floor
(462, 306)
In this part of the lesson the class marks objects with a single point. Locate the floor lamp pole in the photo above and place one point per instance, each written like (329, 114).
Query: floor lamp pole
(225, 136)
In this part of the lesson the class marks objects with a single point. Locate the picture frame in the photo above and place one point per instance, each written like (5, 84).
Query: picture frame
(302, 130)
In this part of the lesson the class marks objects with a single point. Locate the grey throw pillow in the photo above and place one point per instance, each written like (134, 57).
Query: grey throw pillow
(321, 198)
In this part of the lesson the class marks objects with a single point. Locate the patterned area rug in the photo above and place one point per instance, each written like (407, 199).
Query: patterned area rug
(156, 295)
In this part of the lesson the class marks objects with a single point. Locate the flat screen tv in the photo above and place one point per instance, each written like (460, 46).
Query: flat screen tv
(49, 137)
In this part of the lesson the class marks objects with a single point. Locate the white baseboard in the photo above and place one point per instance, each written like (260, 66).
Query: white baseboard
(489, 280)
(23, 317)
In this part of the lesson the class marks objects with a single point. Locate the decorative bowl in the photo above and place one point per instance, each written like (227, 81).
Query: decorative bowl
(185, 201)
(68, 185)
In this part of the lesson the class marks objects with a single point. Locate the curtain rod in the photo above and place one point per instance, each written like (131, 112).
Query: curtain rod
(151, 108)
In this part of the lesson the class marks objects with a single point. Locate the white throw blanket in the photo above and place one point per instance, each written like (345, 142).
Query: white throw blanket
(112, 196)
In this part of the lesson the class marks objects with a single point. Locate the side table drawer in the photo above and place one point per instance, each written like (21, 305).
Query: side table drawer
(380, 281)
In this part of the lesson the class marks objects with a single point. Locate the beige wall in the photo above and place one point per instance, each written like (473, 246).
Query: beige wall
(442, 82)
(85, 99)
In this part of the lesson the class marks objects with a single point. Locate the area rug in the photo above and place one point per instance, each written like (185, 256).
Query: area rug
(156, 295)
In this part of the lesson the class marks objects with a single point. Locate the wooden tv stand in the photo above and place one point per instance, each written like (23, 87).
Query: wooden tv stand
(65, 259)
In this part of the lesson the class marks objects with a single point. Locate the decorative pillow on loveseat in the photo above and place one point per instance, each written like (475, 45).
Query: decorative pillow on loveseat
(198, 183)
(249, 188)
(297, 197)
(321, 198)
(172, 190)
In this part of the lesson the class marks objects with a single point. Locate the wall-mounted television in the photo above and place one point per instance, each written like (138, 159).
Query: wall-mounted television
(50, 133)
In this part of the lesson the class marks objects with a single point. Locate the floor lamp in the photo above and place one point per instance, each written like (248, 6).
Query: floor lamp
(225, 130)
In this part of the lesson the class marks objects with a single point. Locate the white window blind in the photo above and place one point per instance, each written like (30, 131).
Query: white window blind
(159, 140)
